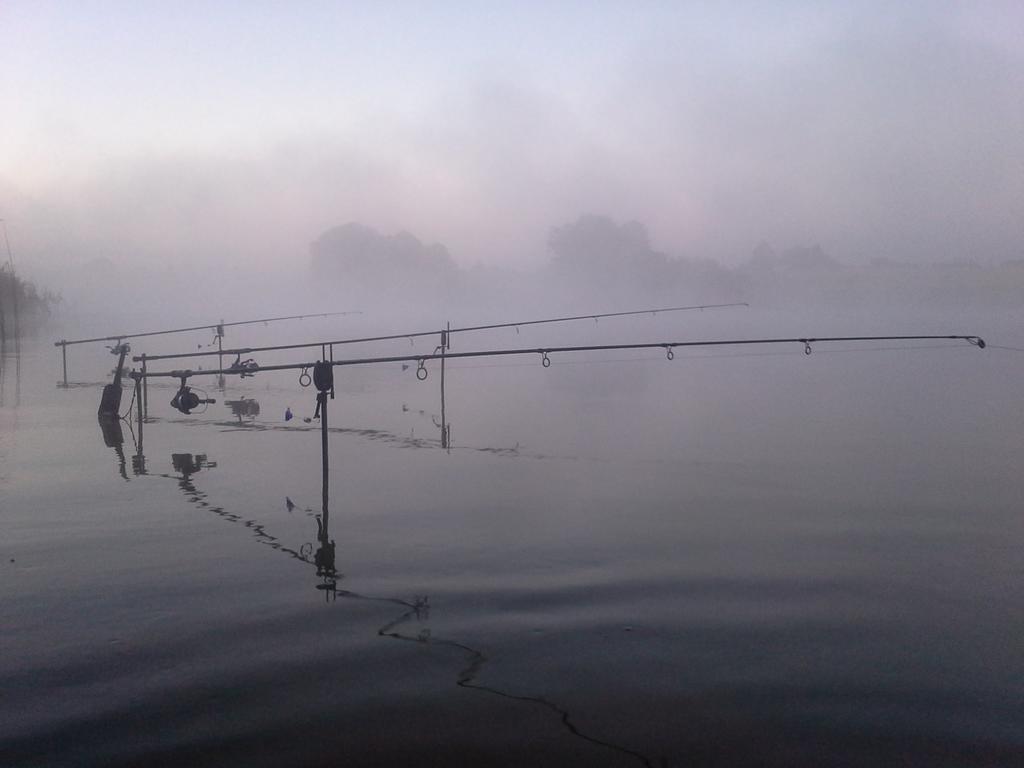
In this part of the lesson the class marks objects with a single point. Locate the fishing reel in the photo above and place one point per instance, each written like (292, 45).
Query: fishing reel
(323, 378)
(185, 400)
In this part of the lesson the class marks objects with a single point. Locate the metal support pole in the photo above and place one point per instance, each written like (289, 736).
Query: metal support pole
(326, 545)
(138, 400)
(444, 423)
(323, 445)
(64, 360)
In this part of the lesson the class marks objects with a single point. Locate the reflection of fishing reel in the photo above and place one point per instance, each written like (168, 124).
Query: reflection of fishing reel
(244, 367)
(185, 400)
(247, 407)
(188, 464)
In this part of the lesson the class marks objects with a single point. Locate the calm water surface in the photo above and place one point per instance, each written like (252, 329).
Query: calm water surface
(736, 560)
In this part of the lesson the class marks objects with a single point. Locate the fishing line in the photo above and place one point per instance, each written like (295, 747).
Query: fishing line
(126, 414)
(208, 326)
(1011, 349)
(131, 430)
(445, 332)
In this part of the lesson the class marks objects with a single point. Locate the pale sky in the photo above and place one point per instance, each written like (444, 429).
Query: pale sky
(136, 130)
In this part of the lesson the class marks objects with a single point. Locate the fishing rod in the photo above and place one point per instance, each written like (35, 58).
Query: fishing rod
(323, 369)
(208, 326)
(441, 332)
(250, 368)
(217, 328)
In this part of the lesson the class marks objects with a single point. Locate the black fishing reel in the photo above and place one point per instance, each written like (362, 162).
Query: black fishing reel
(185, 400)
(323, 378)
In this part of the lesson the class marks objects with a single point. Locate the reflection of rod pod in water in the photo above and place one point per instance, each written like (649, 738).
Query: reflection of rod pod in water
(188, 464)
(325, 563)
(247, 406)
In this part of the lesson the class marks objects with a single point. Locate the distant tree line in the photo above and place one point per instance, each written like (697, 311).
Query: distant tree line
(610, 263)
(24, 308)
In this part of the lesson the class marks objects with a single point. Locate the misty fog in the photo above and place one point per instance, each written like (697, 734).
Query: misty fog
(874, 132)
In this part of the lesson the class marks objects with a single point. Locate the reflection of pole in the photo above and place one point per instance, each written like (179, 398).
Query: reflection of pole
(14, 290)
(220, 351)
(122, 462)
(64, 360)
(14, 296)
(3, 326)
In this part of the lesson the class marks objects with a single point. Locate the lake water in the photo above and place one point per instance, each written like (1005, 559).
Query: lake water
(725, 559)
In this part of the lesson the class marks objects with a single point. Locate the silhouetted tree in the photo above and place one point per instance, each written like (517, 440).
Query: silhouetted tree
(34, 307)
(386, 264)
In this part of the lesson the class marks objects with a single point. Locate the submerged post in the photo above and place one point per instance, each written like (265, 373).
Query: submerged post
(64, 360)
(144, 403)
